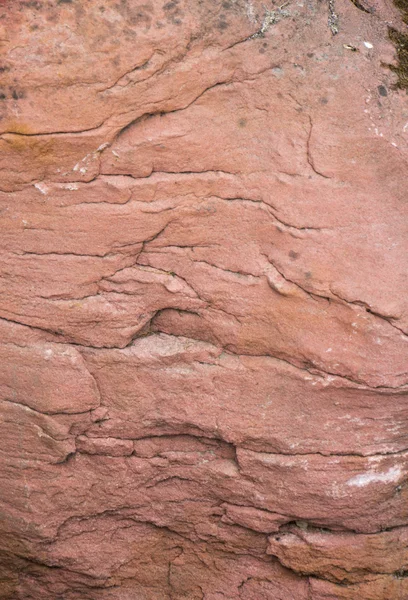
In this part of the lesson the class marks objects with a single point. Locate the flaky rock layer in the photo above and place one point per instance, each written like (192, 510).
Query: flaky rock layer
(203, 301)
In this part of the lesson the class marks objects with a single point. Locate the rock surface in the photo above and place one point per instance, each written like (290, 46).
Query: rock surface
(203, 301)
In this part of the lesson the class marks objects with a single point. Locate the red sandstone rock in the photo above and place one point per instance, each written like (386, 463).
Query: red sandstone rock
(203, 302)
(341, 556)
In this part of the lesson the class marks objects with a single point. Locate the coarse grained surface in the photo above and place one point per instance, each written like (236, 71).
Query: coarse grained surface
(203, 301)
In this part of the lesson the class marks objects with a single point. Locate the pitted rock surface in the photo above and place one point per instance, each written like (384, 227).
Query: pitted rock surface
(203, 301)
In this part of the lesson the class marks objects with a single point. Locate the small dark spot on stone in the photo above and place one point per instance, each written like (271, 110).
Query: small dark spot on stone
(382, 90)
(323, 101)
(222, 25)
(226, 5)
(159, 25)
(293, 254)
(102, 9)
(2, 96)
(64, 2)
(169, 6)
(3, 69)
(33, 4)
(308, 274)
(16, 94)
(177, 21)
(265, 44)
(139, 19)
(242, 122)
(129, 33)
(310, 54)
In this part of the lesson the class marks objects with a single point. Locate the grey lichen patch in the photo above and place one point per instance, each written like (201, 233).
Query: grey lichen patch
(333, 20)
(270, 18)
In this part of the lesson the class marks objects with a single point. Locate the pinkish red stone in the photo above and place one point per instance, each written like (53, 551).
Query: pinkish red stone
(341, 556)
(203, 302)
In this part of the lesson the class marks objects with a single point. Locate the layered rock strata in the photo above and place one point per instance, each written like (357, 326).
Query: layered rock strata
(203, 301)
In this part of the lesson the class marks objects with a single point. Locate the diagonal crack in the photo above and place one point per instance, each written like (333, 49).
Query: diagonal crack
(150, 114)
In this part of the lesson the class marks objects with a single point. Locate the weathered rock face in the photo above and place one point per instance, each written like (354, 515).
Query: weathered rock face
(203, 301)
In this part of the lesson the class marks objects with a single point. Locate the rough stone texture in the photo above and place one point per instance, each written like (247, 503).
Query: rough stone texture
(203, 301)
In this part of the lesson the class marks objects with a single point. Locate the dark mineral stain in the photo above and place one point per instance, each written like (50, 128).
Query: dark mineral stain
(222, 25)
(17, 94)
(174, 13)
(242, 122)
(140, 18)
(382, 90)
(360, 6)
(293, 254)
(33, 4)
(308, 274)
(129, 33)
